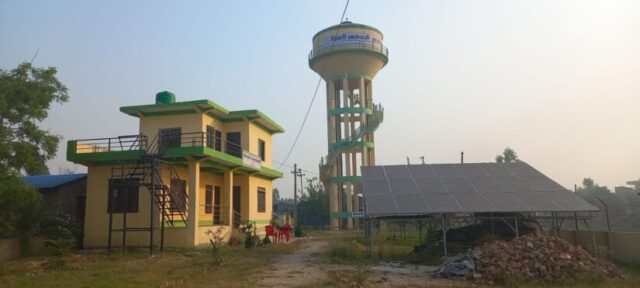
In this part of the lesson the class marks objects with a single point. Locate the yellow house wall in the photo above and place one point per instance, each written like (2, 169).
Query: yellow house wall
(255, 133)
(261, 218)
(187, 122)
(210, 121)
(241, 127)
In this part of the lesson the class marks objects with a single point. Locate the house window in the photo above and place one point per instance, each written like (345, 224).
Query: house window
(178, 193)
(123, 193)
(208, 199)
(262, 197)
(169, 137)
(210, 136)
(261, 149)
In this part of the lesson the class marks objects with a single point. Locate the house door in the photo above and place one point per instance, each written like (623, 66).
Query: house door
(234, 146)
(218, 140)
(216, 204)
(236, 206)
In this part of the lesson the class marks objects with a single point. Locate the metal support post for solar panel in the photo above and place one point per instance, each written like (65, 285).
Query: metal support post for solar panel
(444, 235)
(517, 232)
(493, 225)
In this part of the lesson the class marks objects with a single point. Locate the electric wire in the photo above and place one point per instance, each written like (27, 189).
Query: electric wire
(315, 93)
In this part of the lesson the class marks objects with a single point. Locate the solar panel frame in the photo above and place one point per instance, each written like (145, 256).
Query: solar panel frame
(464, 188)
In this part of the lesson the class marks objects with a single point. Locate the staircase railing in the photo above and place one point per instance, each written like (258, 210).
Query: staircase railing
(375, 119)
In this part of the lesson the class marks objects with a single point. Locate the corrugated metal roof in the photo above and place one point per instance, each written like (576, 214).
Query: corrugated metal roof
(402, 190)
(51, 181)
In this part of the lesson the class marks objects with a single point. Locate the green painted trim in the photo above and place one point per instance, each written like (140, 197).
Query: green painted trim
(259, 115)
(176, 224)
(221, 161)
(207, 106)
(261, 221)
(102, 156)
(349, 25)
(345, 179)
(72, 146)
(210, 223)
(351, 144)
(349, 50)
(265, 129)
(132, 110)
(350, 75)
(168, 113)
(346, 110)
(268, 172)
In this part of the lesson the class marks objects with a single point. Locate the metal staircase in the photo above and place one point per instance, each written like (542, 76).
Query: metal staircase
(374, 122)
(168, 193)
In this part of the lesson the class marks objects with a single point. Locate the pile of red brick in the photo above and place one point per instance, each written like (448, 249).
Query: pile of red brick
(537, 257)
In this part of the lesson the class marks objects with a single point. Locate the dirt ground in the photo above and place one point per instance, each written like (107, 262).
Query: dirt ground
(306, 266)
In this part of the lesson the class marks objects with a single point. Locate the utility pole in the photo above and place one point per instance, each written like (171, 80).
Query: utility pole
(301, 190)
(408, 161)
(295, 192)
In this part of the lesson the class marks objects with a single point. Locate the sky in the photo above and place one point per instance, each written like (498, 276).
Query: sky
(557, 81)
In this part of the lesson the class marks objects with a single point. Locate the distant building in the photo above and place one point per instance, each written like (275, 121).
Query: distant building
(62, 193)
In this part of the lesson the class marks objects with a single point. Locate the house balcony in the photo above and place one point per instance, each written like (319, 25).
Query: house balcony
(215, 154)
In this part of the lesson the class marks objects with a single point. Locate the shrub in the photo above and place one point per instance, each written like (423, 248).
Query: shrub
(58, 247)
(57, 226)
(233, 241)
(216, 242)
(347, 252)
(298, 231)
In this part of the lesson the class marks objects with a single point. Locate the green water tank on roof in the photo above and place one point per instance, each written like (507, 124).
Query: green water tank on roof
(165, 97)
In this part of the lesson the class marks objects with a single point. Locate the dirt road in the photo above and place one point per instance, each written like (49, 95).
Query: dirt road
(308, 266)
(299, 268)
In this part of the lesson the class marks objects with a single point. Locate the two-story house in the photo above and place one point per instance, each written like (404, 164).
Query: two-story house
(192, 166)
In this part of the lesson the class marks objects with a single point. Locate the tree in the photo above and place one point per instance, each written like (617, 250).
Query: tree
(314, 204)
(276, 195)
(26, 94)
(507, 156)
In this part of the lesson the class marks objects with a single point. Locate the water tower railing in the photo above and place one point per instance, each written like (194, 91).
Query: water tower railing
(352, 45)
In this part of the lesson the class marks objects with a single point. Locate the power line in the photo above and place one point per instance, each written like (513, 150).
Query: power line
(315, 93)
(289, 166)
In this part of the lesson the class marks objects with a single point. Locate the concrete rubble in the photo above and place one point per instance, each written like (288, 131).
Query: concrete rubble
(543, 258)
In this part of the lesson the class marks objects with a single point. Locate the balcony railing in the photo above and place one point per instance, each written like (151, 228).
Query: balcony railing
(120, 143)
(167, 141)
(375, 47)
(199, 139)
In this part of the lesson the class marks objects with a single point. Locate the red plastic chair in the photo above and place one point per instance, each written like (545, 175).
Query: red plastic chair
(271, 232)
(285, 231)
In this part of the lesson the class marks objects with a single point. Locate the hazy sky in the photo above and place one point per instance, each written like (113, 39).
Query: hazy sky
(558, 81)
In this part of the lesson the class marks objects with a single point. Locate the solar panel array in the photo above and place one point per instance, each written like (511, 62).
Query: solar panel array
(464, 188)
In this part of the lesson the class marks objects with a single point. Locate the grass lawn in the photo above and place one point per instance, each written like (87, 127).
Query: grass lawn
(183, 268)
